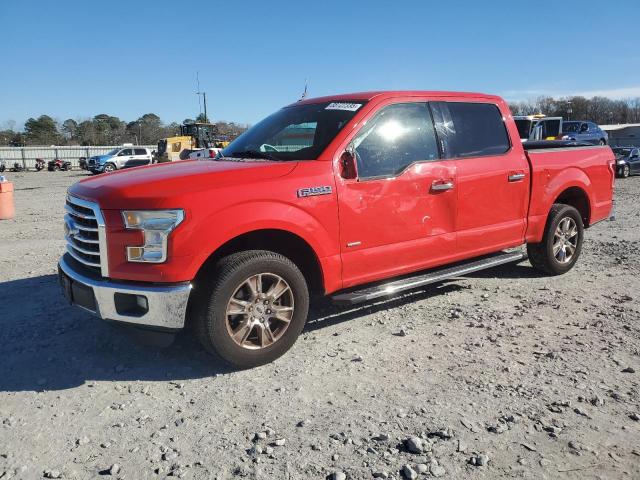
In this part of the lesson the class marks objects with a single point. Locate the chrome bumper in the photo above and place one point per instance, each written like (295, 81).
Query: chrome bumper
(166, 306)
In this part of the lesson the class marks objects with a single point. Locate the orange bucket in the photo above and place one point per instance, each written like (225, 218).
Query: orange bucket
(7, 207)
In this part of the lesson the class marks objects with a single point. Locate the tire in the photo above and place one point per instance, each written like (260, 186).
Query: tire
(626, 171)
(602, 142)
(109, 167)
(542, 256)
(56, 168)
(232, 277)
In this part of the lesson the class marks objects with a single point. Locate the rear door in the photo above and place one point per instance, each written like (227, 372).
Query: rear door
(398, 215)
(141, 156)
(492, 176)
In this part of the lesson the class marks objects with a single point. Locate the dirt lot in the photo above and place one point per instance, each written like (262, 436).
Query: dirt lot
(506, 374)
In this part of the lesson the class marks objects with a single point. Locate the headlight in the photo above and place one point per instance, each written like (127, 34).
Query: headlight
(156, 226)
(621, 162)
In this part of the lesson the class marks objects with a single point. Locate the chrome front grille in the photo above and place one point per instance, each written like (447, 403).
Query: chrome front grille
(86, 234)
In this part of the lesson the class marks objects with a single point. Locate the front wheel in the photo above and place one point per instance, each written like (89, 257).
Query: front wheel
(252, 307)
(562, 241)
(626, 171)
(602, 142)
(109, 167)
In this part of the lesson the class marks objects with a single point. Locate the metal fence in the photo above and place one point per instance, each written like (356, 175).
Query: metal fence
(26, 156)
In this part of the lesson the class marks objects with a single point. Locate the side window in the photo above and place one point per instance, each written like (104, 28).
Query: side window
(141, 151)
(393, 139)
(470, 129)
(125, 152)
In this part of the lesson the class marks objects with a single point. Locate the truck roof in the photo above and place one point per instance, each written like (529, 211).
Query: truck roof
(394, 93)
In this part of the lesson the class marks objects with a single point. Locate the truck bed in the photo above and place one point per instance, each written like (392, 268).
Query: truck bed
(562, 171)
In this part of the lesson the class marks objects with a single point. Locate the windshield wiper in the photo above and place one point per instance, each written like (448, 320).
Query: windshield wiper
(253, 154)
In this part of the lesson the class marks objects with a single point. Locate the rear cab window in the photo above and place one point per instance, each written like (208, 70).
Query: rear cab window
(467, 129)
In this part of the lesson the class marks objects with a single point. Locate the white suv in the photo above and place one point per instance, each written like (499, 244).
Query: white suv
(122, 157)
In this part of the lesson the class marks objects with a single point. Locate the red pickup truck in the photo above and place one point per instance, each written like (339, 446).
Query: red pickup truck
(356, 196)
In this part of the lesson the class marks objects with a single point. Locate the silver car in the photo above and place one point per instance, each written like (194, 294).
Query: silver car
(119, 158)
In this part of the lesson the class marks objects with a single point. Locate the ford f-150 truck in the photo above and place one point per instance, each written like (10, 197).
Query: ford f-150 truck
(357, 197)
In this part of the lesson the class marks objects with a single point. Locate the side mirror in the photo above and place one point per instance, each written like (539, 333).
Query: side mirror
(348, 164)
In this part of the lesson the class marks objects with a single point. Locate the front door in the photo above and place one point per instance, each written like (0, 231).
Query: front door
(493, 177)
(398, 215)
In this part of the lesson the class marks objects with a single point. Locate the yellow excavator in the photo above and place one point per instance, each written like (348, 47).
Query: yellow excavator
(193, 136)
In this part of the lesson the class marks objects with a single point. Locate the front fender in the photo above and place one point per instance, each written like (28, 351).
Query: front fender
(234, 221)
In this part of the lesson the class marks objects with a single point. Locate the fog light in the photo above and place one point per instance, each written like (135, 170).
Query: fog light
(131, 305)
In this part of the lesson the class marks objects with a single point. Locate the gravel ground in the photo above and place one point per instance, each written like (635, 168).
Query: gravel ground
(504, 374)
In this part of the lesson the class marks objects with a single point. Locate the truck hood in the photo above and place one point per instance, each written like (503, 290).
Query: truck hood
(163, 185)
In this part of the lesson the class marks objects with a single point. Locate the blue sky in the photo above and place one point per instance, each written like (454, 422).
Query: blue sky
(75, 59)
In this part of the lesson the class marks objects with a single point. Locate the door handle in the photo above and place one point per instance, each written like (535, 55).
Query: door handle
(515, 177)
(441, 187)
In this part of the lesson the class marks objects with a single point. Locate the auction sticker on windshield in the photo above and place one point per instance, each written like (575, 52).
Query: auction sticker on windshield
(351, 107)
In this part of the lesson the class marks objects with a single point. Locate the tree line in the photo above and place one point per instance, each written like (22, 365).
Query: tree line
(105, 129)
(102, 129)
(601, 110)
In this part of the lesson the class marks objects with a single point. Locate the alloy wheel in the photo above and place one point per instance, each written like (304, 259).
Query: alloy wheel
(259, 311)
(565, 240)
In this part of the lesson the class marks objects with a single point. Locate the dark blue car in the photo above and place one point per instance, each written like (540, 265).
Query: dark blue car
(588, 132)
(627, 161)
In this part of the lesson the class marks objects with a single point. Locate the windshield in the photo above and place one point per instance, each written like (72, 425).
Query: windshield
(524, 128)
(113, 152)
(570, 127)
(622, 151)
(299, 132)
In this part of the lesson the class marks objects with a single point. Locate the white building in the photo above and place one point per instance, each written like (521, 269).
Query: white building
(624, 134)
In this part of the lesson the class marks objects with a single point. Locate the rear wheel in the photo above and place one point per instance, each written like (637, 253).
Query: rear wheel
(562, 241)
(253, 308)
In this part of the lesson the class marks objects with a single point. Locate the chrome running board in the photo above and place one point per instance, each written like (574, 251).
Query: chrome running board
(420, 280)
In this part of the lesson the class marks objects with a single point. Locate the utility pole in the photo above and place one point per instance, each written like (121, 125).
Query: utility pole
(204, 99)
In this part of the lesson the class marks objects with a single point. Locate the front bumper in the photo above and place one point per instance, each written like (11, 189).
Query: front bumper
(162, 307)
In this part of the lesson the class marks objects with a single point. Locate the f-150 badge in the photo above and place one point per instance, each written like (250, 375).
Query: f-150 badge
(311, 191)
